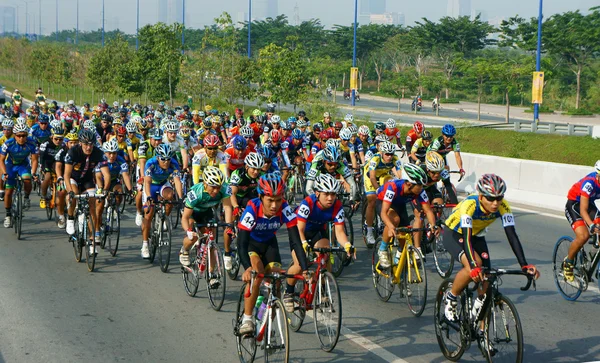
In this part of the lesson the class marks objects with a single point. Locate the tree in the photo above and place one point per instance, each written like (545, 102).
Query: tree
(398, 83)
(508, 75)
(477, 71)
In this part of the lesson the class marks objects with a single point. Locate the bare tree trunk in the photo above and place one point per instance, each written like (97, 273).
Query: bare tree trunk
(479, 105)
(399, 100)
(447, 93)
(577, 97)
(344, 81)
(507, 107)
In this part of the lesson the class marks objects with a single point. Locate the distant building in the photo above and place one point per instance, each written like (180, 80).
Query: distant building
(372, 7)
(241, 18)
(163, 11)
(458, 8)
(482, 15)
(7, 19)
(387, 19)
(262, 9)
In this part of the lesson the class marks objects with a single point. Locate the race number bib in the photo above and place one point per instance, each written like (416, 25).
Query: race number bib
(389, 196)
(508, 220)
(248, 221)
(445, 174)
(312, 174)
(289, 214)
(303, 211)
(466, 221)
(588, 189)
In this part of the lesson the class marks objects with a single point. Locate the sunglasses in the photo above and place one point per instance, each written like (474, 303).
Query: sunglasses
(389, 154)
(164, 159)
(331, 163)
(336, 129)
(268, 161)
(449, 137)
(120, 135)
(212, 148)
(494, 199)
(7, 129)
(58, 138)
(21, 135)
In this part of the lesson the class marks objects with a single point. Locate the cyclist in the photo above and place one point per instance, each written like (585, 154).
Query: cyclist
(294, 150)
(177, 143)
(59, 167)
(582, 214)
(134, 139)
(48, 151)
(465, 241)
(236, 154)
(14, 160)
(347, 147)
(364, 137)
(40, 131)
(145, 153)
(391, 131)
(7, 129)
(414, 134)
(259, 250)
(210, 155)
(247, 133)
(271, 165)
(157, 172)
(419, 148)
(443, 145)
(379, 129)
(392, 199)
(328, 161)
(379, 168)
(243, 182)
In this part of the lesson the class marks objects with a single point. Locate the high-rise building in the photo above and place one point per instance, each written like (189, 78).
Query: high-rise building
(458, 8)
(368, 7)
(163, 11)
(7, 19)
(262, 9)
(386, 19)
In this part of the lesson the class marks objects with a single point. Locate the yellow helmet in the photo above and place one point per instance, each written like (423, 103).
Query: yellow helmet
(434, 162)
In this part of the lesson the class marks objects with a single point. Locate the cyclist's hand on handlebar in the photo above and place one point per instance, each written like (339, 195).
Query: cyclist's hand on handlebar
(247, 275)
(191, 234)
(477, 274)
(594, 228)
(71, 194)
(236, 211)
(436, 230)
(462, 172)
(531, 270)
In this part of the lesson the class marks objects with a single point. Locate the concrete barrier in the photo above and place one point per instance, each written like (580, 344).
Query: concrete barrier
(535, 183)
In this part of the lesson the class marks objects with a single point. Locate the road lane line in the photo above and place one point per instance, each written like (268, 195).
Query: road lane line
(371, 347)
(557, 216)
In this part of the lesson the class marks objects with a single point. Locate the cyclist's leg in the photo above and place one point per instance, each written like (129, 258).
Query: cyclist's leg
(579, 226)
(449, 189)
(166, 193)
(25, 173)
(463, 277)
(9, 184)
(149, 211)
(247, 326)
(73, 203)
(46, 182)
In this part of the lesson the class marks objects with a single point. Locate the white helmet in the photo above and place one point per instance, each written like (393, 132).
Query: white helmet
(21, 120)
(246, 131)
(171, 126)
(349, 117)
(54, 123)
(390, 123)
(8, 123)
(301, 123)
(20, 127)
(434, 162)
(327, 184)
(387, 147)
(213, 176)
(254, 160)
(597, 166)
(132, 126)
(71, 103)
(381, 138)
(364, 130)
(111, 146)
(89, 124)
(136, 118)
(345, 134)
(275, 119)
(335, 143)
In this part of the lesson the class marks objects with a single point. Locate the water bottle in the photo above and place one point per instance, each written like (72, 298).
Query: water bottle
(476, 309)
(258, 305)
(397, 256)
(261, 310)
(202, 257)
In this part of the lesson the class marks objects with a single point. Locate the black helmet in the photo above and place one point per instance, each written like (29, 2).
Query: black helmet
(106, 117)
(170, 113)
(271, 108)
(86, 105)
(427, 135)
(301, 113)
(123, 112)
(186, 107)
(87, 136)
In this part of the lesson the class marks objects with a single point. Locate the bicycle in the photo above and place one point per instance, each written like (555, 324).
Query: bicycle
(444, 263)
(407, 271)
(160, 234)
(349, 208)
(326, 303)
(84, 230)
(586, 267)
(198, 265)
(498, 315)
(111, 228)
(177, 213)
(235, 257)
(17, 207)
(271, 328)
(445, 196)
(51, 203)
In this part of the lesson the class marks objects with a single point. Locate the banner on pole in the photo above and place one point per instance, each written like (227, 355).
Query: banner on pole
(537, 88)
(354, 78)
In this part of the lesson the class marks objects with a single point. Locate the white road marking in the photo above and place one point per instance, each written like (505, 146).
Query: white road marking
(551, 215)
(370, 346)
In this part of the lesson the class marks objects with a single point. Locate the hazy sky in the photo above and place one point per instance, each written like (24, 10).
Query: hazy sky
(121, 13)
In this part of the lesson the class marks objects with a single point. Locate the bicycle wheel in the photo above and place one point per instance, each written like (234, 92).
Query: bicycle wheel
(349, 229)
(448, 334)
(50, 203)
(235, 262)
(570, 290)
(175, 212)
(297, 317)
(164, 246)
(77, 245)
(216, 292)
(15, 210)
(327, 311)
(105, 227)
(246, 344)
(336, 259)
(154, 228)
(444, 263)
(121, 206)
(114, 231)
(19, 213)
(383, 284)
(191, 279)
(503, 332)
(277, 347)
(90, 244)
(415, 281)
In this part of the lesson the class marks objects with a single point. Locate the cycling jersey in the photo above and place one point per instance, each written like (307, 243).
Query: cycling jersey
(315, 217)
(245, 184)
(200, 201)
(392, 133)
(262, 228)
(411, 138)
(177, 144)
(392, 192)
(587, 186)
(39, 135)
(134, 142)
(470, 214)
(83, 165)
(4, 138)
(159, 175)
(381, 169)
(201, 160)
(419, 149)
(18, 154)
(235, 161)
(145, 150)
(443, 149)
(48, 151)
(115, 169)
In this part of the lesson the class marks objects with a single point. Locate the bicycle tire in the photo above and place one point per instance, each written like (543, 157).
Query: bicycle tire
(569, 290)
(349, 229)
(153, 239)
(175, 212)
(444, 262)
(278, 321)
(164, 246)
(296, 319)
(77, 246)
(384, 287)
(14, 209)
(503, 315)
(19, 220)
(452, 349)
(191, 280)
(246, 344)
(114, 233)
(51, 202)
(336, 260)
(121, 207)
(216, 296)
(104, 230)
(415, 284)
(235, 262)
(90, 258)
(326, 303)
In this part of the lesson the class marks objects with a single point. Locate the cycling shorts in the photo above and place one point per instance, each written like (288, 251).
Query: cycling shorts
(400, 210)
(204, 216)
(433, 193)
(453, 241)
(369, 188)
(573, 216)
(268, 252)
(23, 170)
(156, 190)
(87, 185)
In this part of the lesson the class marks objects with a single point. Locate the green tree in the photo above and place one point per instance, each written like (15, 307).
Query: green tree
(398, 83)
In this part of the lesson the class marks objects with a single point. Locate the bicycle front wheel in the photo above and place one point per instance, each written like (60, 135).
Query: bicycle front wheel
(328, 311)
(246, 344)
(448, 334)
(114, 232)
(383, 284)
(191, 279)
(90, 244)
(570, 290)
(19, 219)
(336, 259)
(155, 226)
(503, 341)
(277, 347)
(164, 246)
(235, 262)
(77, 246)
(51, 202)
(415, 281)
(216, 282)
(297, 317)
(444, 263)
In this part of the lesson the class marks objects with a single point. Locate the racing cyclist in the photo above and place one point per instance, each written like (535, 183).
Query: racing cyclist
(209, 155)
(444, 145)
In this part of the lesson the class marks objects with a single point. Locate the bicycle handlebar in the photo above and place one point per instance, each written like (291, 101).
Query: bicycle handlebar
(500, 272)
(411, 229)
(273, 276)
(213, 224)
(457, 172)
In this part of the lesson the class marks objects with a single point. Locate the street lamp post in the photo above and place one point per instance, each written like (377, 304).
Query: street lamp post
(249, 22)
(103, 23)
(56, 21)
(538, 56)
(137, 27)
(40, 17)
(77, 28)
(183, 28)
(354, 48)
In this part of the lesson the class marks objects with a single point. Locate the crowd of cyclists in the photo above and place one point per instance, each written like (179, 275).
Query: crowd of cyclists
(237, 168)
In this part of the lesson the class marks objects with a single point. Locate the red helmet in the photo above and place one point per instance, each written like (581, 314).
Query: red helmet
(211, 141)
(418, 127)
(271, 185)
(121, 130)
(275, 136)
(325, 135)
(338, 125)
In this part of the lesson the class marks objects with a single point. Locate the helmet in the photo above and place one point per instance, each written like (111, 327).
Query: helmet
(21, 120)
(87, 136)
(364, 130)
(387, 147)
(106, 117)
(597, 166)
(301, 113)
(155, 133)
(117, 121)
(201, 114)
(275, 119)
(121, 130)
(318, 126)
(206, 123)
(240, 122)
(111, 146)
(338, 125)
(448, 130)
(414, 174)
(215, 119)
(214, 111)
(270, 108)
(326, 114)
(331, 154)
(164, 151)
(380, 126)
(246, 131)
(58, 131)
(8, 123)
(126, 101)
(158, 115)
(239, 143)
(89, 124)
(381, 138)
(327, 184)
(418, 127)
(275, 136)
(43, 119)
(301, 123)
(434, 162)
(325, 135)
(71, 136)
(171, 126)
(136, 118)
(349, 118)
(185, 107)
(353, 129)
(143, 124)
(213, 176)
(427, 135)
(270, 184)
(297, 134)
(54, 123)
(254, 160)
(20, 127)
(335, 143)
(491, 185)
(345, 134)
(123, 111)
(286, 125)
(390, 123)
(131, 127)
(184, 133)
(211, 141)
(267, 152)
(256, 112)
(293, 119)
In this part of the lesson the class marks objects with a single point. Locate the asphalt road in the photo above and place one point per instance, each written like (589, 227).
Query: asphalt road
(54, 310)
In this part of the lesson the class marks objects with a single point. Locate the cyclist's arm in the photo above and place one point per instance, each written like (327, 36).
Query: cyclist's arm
(106, 175)
(296, 246)
(361, 154)
(428, 211)
(459, 161)
(186, 217)
(373, 178)
(243, 241)
(68, 170)
(178, 186)
(353, 160)
(184, 158)
(127, 180)
(196, 171)
(515, 244)
(34, 163)
(147, 187)
(234, 201)
(228, 209)
(2, 164)
(286, 158)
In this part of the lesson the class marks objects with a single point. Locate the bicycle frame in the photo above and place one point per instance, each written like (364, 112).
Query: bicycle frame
(402, 262)
(594, 258)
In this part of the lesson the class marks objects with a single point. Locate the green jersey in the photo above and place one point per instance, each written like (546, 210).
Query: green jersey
(200, 201)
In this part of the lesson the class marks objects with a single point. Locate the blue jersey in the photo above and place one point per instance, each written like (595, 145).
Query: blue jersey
(39, 135)
(117, 168)
(357, 146)
(588, 186)
(17, 154)
(159, 175)
(392, 192)
(261, 228)
(316, 218)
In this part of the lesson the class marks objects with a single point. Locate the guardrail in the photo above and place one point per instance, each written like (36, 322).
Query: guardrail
(543, 127)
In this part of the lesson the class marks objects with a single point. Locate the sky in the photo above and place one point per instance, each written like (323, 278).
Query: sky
(121, 13)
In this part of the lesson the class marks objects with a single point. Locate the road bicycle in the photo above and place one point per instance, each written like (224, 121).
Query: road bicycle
(407, 270)
(111, 227)
(17, 207)
(586, 267)
(271, 331)
(495, 325)
(296, 183)
(160, 233)
(177, 213)
(203, 266)
(349, 209)
(322, 295)
(51, 203)
(445, 195)
(83, 238)
(443, 260)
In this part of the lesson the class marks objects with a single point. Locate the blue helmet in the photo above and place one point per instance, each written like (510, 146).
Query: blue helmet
(267, 152)
(43, 119)
(297, 134)
(449, 130)
(331, 154)
(155, 133)
(292, 119)
(238, 142)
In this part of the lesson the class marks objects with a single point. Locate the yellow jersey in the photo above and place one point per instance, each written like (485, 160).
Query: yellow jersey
(470, 214)
(4, 138)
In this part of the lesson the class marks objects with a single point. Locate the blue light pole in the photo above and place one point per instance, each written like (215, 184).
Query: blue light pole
(183, 28)
(354, 50)
(56, 32)
(77, 28)
(538, 56)
(137, 27)
(249, 22)
(103, 23)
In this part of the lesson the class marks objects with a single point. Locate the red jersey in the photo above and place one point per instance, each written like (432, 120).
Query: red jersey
(235, 162)
(392, 133)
